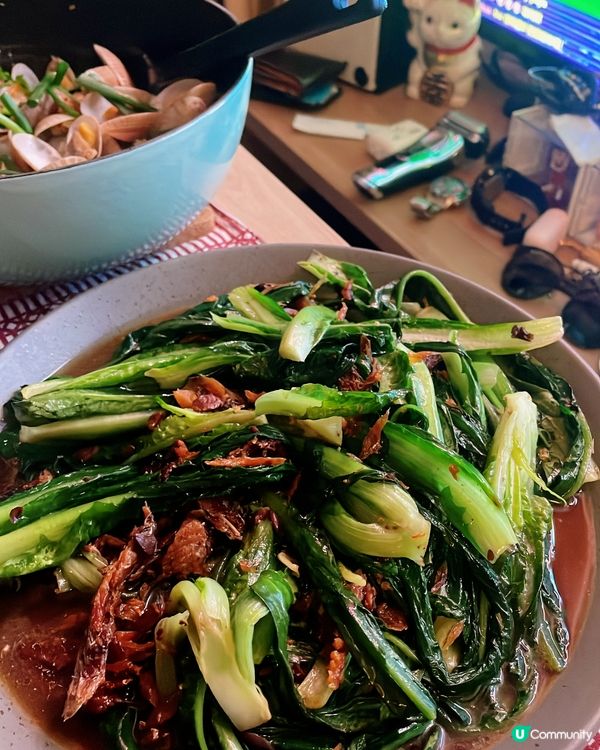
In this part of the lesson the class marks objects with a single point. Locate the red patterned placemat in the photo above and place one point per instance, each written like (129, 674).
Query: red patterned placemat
(18, 313)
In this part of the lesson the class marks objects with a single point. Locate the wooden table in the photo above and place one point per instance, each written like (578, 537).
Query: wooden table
(266, 206)
(454, 240)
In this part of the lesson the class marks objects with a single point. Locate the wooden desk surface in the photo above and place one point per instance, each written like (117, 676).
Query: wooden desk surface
(266, 206)
(454, 240)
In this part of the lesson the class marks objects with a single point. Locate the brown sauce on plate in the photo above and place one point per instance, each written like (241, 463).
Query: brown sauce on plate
(34, 681)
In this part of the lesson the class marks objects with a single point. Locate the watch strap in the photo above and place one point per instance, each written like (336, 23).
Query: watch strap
(514, 182)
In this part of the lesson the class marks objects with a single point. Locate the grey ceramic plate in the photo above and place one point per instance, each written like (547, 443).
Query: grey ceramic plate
(573, 703)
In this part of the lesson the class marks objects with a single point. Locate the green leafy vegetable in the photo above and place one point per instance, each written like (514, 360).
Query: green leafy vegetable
(465, 495)
(212, 640)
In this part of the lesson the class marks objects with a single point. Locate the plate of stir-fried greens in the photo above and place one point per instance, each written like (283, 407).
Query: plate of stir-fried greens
(312, 511)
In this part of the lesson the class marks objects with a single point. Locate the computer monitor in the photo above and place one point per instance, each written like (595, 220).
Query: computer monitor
(565, 29)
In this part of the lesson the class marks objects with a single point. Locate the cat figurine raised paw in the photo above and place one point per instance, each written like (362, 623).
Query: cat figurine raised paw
(444, 34)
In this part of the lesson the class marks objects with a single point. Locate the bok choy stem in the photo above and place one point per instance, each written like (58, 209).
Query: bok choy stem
(379, 518)
(257, 306)
(52, 539)
(464, 494)
(497, 338)
(512, 455)
(212, 640)
(88, 428)
(304, 332)
(123, 372)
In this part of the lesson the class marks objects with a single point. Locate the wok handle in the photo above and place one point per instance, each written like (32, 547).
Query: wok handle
(290, 22)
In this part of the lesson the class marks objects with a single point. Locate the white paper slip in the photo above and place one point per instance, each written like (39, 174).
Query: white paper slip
(385, 141)
(329, 127)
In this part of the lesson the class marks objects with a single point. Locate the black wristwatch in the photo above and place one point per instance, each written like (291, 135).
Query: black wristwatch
(489, 185)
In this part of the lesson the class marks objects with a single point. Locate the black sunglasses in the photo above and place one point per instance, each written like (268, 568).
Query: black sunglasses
(532, 272)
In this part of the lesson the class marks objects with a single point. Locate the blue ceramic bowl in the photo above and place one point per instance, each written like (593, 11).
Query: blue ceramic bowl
(67, 222)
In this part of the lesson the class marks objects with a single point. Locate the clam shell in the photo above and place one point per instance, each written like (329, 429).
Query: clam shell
(20, 69)
(173, 91)
(182, 110)
(104, 73)
(114, 63)
(205, 90)
(109, 145)
(43, 109)
(52, 121)
(32, 152)
(64, 161)
(130, 128)
(59, 142)
(84, 138)
(15, 91)
(95, 105)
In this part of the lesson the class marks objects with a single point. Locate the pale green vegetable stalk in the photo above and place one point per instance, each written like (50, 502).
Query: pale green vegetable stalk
(462, 381)
(373, 539)
(315, 401)
(122, 372)
(464, 494)
(51, 540)
(247, 611)
(380, 518)
(328, 430)
(208, 358)
(257, 306)
(424, 396)
(493, 381)
(187, 423)
(81, 574)
(247, 325)
(494, 386)
(304, 332)
(498, 338)
(224, 731)
(511, 459)
(403, 368)
(88, 428)
(447, 630)
(452, 305)
(314, 688)
(168, 635)
(339, 273)
(212, 640)
(79, 404)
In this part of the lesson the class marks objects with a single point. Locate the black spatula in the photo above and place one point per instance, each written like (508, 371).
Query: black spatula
(291, 22)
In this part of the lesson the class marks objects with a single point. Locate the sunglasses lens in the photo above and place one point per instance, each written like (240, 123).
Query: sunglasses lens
(531, 273)
(581, 318)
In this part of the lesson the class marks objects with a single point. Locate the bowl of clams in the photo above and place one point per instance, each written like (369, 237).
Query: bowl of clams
(97, 163)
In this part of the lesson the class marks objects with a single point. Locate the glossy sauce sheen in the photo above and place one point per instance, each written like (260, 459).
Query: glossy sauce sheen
(41, 689)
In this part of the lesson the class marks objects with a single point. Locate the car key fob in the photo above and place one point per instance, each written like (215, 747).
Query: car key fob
(438, 152)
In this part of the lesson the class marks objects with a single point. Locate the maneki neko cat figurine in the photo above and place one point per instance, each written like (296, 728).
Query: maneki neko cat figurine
(444, 34)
